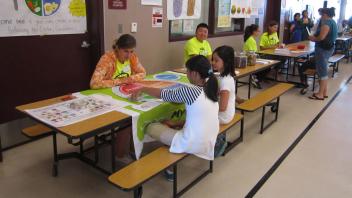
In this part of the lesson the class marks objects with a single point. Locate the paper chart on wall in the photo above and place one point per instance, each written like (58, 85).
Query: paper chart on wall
(76, 110)
(183, 9)
(241, 9)
(256, 4)
(224, 19)
(42, 17)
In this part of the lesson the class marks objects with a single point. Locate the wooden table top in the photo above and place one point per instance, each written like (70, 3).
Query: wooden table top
(344, 38)
(241, 72)
(80, 128)
(294, 51)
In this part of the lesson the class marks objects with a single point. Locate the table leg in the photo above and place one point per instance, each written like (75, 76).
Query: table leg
(113, 142)
(55, 165)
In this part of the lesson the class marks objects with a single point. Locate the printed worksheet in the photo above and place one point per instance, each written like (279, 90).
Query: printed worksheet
(73, 111)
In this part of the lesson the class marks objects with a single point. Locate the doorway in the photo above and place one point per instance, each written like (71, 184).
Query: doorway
(41, 67)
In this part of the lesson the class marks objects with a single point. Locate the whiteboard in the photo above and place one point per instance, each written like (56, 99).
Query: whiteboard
(42, 17)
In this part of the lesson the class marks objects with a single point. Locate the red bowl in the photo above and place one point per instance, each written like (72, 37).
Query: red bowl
(301, 47)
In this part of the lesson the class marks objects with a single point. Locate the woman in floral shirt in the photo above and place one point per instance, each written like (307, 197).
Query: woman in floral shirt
(121, 65)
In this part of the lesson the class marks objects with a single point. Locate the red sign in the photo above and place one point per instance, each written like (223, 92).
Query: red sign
(118, 4)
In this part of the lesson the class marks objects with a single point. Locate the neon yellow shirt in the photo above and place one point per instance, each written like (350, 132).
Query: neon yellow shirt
(250, 45)
(269, 40)
(123, 70)
(195, 47)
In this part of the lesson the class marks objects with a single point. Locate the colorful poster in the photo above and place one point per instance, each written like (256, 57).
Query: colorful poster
(224, 19)
(256, 4)
(184, 9)
(157, 17)
(42, 17)
(152, 2)
(241, 8)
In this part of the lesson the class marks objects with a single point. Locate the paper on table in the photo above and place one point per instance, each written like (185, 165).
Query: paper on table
(282, 51)
(73, 111)
(146, 106)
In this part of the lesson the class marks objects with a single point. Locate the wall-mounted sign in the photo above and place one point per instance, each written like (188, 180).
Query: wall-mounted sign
(117, 4)
(157, 17)
(42, 17)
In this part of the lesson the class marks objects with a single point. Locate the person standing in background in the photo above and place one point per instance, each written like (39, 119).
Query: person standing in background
(306, 23)
(296, 29)
(324, 38)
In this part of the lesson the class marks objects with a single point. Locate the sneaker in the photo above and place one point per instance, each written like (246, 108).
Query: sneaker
(169, 175)
(256, 84)
(304, 91)
(220, 145)
(254, 78)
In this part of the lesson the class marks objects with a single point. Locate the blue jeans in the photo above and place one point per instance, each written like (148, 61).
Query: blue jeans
(322, 61)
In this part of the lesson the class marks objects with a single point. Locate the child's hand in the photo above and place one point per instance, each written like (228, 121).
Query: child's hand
(135, 94)
(282, 45)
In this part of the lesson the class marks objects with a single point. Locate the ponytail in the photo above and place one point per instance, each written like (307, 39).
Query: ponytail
(211, 87)
(202, 65)
(249, 31)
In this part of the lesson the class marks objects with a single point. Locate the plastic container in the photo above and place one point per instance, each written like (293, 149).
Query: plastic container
(241, 60)
(251, 58)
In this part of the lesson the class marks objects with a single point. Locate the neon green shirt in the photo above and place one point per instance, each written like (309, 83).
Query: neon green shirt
(195, 47)
(250, 45)
(122, 69)
(269, 40)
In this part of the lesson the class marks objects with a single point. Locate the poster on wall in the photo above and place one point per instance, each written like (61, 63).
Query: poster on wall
(176, 26)
(188, 26)
(241, 9)
(256, 4)
(157, 17)
(152, 2)
(183, 9)
(224, 19)
(117, 4)
(42, 17)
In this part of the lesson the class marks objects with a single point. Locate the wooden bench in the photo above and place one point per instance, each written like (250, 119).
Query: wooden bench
(37, 130)
(264, 99)
(133, 176)
(334, 62)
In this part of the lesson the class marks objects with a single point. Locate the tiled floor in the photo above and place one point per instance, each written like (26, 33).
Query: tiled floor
(318, 167)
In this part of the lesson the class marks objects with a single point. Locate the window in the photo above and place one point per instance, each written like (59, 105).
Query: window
(184, 29)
